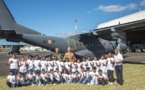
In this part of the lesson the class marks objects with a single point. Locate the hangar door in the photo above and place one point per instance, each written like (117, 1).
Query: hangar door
(136, 37)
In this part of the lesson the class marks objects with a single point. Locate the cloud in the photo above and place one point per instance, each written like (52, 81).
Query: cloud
(116, 8)
(143, 4)
(64, 34)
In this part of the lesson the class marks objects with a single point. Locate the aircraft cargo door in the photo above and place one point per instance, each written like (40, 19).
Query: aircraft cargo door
(72, 44)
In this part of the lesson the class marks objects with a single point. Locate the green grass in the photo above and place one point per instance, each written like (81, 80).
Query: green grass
(134, 79)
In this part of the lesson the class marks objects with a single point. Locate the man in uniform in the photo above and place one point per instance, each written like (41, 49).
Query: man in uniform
(57, 54)
(118, 66)
(69, 55)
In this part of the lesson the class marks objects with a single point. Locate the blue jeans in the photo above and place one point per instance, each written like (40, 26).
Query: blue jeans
(75, 80)
(81, 80)
(62, 80)
(10, 84)
(24, 75)
(15, 71)
(20, 83)
(38, 81)
(30, 81)
(87, 80)
(119, 74)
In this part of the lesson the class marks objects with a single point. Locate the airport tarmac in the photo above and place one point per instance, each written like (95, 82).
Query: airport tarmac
(135, 58)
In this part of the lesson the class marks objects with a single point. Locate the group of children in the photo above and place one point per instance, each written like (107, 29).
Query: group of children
(55, 71)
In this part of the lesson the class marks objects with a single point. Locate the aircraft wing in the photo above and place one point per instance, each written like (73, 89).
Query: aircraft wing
(6, 33)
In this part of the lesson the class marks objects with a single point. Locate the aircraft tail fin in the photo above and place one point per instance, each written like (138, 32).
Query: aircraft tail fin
(6, 19)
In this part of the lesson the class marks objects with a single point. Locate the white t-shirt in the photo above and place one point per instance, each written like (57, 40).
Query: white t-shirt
(36, 64)
(43, 64)
(65, 76)
(103, 75)
(11, 79)
(70, 76)
(73, 67)
(79, 66)
(14, 63)
(83, 74)
(110, 66)
(50, 65)
(57, 76)
(74, 76)
(60, 65)
(102, 62)
(117, 58)
(43, 76)
(84, 64)
(92, 74)
(96, 63)
(55, 64)
(90, 63)
(38, 77)
(23, 67)
(30, 76)
(66, 64)
(20, 78)
(30, 64)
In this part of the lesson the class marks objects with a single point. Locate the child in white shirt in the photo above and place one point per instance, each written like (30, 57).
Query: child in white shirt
(103, 65)
(96, 63)
(29, 63)
(20, 80)
(49, 64)
(102, 78)
(84, 63)
(43, 63)
(67, 64)
(73, 67)
(38, 79)
(94, 76)
(79, 65)
(43, 77)
(30, 77)
(110, 68)
(76, 77)
(11, 80)
(36, 64)
(23, 67)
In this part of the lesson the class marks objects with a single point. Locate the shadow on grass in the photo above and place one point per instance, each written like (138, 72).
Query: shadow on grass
(129, 62)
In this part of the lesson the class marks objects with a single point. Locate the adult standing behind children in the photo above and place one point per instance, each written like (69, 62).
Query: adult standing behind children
(56, 53)
(118, 66)
(69, 55)
(13, 62)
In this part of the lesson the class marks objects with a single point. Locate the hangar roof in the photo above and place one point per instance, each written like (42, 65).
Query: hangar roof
(126, 19)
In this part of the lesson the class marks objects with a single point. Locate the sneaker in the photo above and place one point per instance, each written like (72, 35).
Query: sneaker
(111, 83)
(54, 84)
(88, 84)
(41, 84)
(32, 84)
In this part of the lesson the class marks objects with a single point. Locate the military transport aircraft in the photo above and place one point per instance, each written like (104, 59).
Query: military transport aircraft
(92, 43)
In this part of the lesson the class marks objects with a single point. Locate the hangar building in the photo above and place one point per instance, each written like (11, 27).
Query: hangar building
(131, 27)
